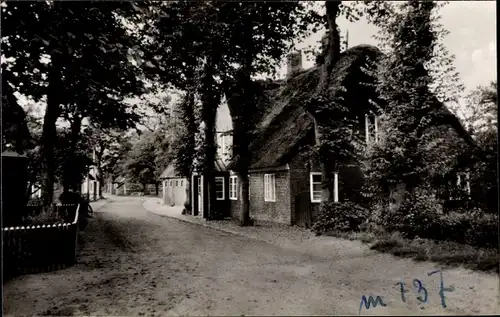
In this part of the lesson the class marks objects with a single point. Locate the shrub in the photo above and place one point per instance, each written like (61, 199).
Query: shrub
(48, 215)
(422, 217)
(344, 216)
(483, 230)
(416, 215)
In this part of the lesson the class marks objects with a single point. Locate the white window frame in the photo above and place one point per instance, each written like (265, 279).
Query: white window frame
(270, 187)
(335, 187)
(225, 150)
(223, 189)
(233, 187)
(223, 144)
(368, 132)
(467, 181)
(311, 186)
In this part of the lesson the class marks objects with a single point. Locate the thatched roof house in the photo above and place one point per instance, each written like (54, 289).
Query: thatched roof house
(284, 183)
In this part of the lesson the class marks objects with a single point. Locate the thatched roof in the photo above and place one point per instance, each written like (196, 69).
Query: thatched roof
(120, 180)
(286, 122)
(168, 172)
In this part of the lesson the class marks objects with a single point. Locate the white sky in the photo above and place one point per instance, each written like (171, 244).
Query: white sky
(472, 39)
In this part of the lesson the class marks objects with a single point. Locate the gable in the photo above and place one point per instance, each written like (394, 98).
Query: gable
(223, 118)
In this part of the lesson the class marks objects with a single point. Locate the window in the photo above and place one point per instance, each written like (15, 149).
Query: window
(315, 189)
(463, 182)
(371, 128)
(219, 188)
(224, 144)
(233, 187)
(176, 183)
(269, 187)
(170, 183)
(182, 182)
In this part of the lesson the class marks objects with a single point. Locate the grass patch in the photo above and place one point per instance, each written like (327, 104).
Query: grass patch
(447, 253)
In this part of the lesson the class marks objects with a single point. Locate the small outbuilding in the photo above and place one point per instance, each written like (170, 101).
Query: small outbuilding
(174, 186)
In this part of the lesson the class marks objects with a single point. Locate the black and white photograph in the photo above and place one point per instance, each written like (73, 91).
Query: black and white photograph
(249, 158)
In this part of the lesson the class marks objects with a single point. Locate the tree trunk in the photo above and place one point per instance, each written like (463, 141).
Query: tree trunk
(49, 132)
(210, 99)
(69, 179)
(156, 189)
(187, 202)
(331, 57)
(245, 200)
(100, 173)
(241, 104)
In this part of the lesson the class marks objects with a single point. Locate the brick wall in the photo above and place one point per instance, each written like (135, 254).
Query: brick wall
(278, 211)
(235, 208)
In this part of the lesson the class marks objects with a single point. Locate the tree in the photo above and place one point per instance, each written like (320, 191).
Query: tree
(256, 41)
(337, 139)
(184, 145)
(409, 106)
(481, 121)
(67, 33)
(225, 45)
(148, 157)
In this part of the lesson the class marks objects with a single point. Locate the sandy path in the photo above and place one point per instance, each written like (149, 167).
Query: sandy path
(133, 263)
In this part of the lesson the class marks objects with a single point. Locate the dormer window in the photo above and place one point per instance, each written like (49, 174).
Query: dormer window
(371, 129)
(463, 182)
(224, 144)
(461, 189)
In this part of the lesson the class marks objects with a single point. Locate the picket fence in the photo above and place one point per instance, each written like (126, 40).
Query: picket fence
(41, 248)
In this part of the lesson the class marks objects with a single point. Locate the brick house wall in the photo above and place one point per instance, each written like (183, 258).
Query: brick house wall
(278, 211)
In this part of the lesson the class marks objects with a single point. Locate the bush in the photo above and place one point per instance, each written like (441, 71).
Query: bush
(48, 215)
(416, 215)
(345, 216)
(422, 216)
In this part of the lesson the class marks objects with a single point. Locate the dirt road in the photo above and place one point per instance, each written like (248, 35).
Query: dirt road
(134, 263)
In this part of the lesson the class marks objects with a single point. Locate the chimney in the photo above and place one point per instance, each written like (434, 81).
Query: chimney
(294, 63)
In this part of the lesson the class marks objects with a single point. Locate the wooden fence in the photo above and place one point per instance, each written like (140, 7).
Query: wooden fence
(41, 248)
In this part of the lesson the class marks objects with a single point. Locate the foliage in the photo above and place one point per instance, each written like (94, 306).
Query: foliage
(184, 145)
(148, 157)
(481, 121)
(73, 158)
(344, 216)
(47, 215)
(409, 111)
(40, 45)
(422, 216)
(224, 45)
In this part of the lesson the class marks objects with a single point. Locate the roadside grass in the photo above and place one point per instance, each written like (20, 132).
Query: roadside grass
(447, 253)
